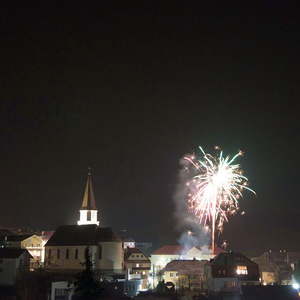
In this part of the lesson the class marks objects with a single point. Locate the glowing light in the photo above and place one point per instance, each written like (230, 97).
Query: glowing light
(296, 285)
(215, 187)
(241, 270)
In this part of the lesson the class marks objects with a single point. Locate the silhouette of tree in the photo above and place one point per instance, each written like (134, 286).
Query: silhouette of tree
(86, 286)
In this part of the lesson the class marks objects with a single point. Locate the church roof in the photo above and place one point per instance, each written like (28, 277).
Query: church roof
(76, 235)
(88, 201)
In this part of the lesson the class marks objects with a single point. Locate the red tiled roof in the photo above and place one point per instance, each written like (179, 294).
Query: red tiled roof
(219, 250)
(169, 250)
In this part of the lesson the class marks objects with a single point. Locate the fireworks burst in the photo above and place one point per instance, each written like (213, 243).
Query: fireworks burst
(215, 188)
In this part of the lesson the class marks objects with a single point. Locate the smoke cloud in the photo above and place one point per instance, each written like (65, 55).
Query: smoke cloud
(193, 234)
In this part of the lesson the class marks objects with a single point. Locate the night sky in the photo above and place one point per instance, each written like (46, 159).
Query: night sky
(128, 91)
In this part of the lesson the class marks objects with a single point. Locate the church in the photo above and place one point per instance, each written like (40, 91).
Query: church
(65, 250)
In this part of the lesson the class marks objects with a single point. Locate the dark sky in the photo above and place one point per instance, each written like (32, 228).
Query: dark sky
(130, 90)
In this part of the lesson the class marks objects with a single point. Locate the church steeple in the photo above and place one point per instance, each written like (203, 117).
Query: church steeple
(88, 211)
(88, 201)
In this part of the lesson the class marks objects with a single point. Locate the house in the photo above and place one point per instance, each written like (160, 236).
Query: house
(269, 270)
(277, 266)
(228, 271)
(66, 248)
(13, 262)
(137, 266)
(168, 253)
(32, 243)
(185, 273)
(165, 254)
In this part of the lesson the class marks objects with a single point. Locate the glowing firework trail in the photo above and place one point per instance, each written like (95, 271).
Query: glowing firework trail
(215, 188)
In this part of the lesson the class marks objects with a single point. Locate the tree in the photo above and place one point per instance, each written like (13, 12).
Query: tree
(86, 286)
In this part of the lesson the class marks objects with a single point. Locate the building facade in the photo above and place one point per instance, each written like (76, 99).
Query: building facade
(185, 274)
(65, 250)
(228, 271)
(137, 266)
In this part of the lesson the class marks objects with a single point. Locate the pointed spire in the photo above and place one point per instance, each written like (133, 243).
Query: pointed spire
(88, 201)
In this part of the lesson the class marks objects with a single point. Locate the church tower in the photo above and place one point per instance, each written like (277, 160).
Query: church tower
(88, 211)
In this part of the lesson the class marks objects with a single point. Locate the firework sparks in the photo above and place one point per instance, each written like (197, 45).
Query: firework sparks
(215, 188)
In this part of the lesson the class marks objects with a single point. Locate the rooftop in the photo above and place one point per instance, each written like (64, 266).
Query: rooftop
(169, 250)
(129, 251)
(186, 266)
(68, 235)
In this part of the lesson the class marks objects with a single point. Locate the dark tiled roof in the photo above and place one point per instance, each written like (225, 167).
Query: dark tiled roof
(186, 266)
(11, 252)
(231, 258)
(129, 251)
(18, 238)
(68, 235)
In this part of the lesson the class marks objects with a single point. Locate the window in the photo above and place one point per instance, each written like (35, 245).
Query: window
(171, 274)
(89, 215)
(133, 255)
(76, 253)
(58, 253)
(49, 253)
(67, 254)
(137, 265)
(241, 270)
(100, 252)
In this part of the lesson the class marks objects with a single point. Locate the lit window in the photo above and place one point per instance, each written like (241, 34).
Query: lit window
(241, 270)
(137, 265)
